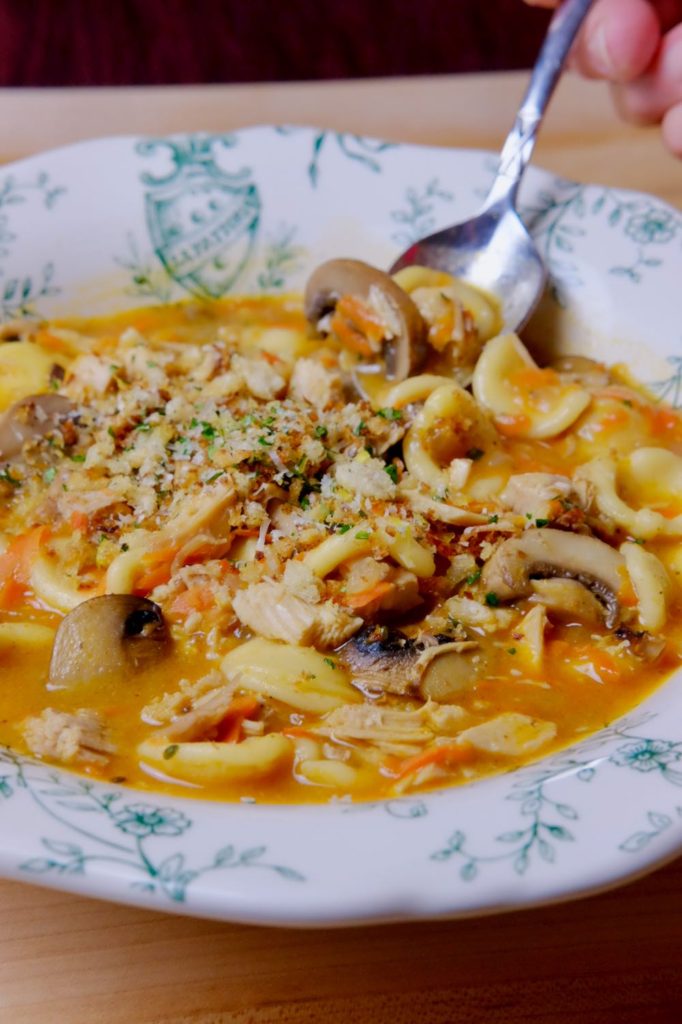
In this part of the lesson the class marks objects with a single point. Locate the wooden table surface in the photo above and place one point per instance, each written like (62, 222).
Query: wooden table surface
(611, 959)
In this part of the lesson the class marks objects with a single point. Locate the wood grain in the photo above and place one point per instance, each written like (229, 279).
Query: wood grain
(581, 138)
(612, 959)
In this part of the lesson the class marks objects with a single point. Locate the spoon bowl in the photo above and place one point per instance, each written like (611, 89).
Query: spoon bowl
(493, 250)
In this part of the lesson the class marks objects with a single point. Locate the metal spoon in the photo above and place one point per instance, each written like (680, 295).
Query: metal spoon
(493, 250)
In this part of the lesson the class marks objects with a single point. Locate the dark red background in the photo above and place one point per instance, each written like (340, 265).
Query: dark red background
(120, 42)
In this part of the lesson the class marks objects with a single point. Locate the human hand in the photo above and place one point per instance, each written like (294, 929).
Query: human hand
(636, 45)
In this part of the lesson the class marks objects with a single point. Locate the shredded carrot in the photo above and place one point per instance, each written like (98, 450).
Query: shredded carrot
(447, 754)
(269, 357)
(52, 343)
(663, 420)
(605, 665)
(157, 569)
(361, 316)
(618, 417)
(671, 511)
(512, 426)
(195, 599)
(151, 578)
(298, 732)
(11, 593)
(532, 378)
(80, 521)
(231, 726)
(159, 555)
(16, 562)
(351, 337)
(365, 597)
(440, 332)
(357, 326)
(559, 649)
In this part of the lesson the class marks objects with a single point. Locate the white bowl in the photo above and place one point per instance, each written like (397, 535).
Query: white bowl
(122, 222)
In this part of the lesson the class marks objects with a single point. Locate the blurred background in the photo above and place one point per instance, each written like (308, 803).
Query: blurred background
(157, 42)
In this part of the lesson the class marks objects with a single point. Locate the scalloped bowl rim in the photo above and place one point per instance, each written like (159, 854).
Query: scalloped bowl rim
(510, 841)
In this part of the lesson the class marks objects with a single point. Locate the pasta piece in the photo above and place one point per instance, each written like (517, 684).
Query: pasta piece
(654, 476)
(55, 588)
(414, 389)
(671, 556)
(440, 511)
(334, 774)
(285, 343)
(451, 421)
(477, 303)
(22, 636)
(334, 550)
(25, 369)
(123, 571)
(407, 551)
(205, 515)
(209, 763)
(651, 584)
(643, 523)
(524, 400)
(306, 748)
(298, 676)
(509, 735)
(529, 637)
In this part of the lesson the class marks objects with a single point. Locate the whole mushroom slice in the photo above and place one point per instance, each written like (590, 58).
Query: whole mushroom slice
(545, 553)
(106, 638)
(405, 341)
(382, 659)
(29, 419)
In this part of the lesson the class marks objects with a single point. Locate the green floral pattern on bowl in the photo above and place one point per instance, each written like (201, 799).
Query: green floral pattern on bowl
(105, 225)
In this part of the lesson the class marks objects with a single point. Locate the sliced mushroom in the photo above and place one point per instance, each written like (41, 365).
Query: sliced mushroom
(384, 660)
(405, 340)
(543, 553)
(451, 669)
(106, 638)
(29, 419)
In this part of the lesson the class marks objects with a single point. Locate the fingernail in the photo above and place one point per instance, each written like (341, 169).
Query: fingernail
(598, 51)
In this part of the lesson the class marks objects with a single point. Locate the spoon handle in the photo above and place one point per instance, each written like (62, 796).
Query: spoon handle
(520, 142)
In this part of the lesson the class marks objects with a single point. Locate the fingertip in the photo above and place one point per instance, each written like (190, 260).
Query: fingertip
(619, 40)
(659, 90)
(632, 41)
(672, 130)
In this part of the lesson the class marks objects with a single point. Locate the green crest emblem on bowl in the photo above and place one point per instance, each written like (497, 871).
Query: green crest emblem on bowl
(202, 220)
